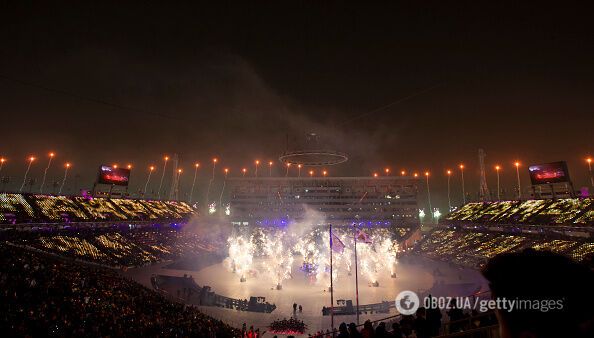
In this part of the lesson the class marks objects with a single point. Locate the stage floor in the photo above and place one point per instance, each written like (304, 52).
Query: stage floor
(414, 273)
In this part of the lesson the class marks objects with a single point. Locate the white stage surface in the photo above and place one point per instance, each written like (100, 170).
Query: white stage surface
(416, 274)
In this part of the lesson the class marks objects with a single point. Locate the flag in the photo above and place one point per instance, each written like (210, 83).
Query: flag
(335, 243)
(363, 237)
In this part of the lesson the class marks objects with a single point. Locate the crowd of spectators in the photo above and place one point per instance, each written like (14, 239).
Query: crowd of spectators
(46, 296)
(116, 246)
(473, 248)
(567, 211)
(288, 326)
(25, 209)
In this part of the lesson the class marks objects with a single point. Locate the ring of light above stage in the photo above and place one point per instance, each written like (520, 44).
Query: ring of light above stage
(313, 158)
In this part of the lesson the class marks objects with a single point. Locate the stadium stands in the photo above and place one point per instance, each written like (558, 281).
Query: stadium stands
(29, 209)
(116, 247)
(577, 212)
(472, 234)
(51, 297)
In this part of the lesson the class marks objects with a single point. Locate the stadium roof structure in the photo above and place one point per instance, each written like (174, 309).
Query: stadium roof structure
(313, 158)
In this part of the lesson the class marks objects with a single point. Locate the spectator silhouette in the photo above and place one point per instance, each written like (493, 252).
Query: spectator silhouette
(539, 277)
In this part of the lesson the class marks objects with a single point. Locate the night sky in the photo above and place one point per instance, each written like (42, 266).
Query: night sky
(128, 82)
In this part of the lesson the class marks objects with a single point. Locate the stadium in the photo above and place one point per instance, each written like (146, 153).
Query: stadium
(296, 169)
(268, 256)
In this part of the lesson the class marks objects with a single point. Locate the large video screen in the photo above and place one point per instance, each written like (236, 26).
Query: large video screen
(547, 173)
(110, 175)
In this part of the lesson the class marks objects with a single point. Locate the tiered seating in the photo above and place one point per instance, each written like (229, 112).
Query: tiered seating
(473, 249)
(45, 296)
(46, 209)
(567, 212)
(118, 247)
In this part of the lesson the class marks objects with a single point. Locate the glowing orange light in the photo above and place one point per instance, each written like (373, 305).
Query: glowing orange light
(270, 163)
(497, 167)
(166, 158)
(311, 173)
(257, 162)
(129, 166)
(215, 160)
(197, 165)
(517, 164)
(31, 158)
(2, 160)
(589, 160)
(375, 175)
(427, 173)
(51, 154)
(403, 173)
(387, 170)
(151, 168)
(115, 166)
(461, 166)
(179, 171)
(244, 170)
(299, 166)
(67, 165)
(288, 164)
(416, 175)
(324, 172)
(449, 172)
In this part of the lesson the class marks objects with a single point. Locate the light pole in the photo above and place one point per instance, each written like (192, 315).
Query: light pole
(223, 190)
(517, 164)
(462, 176)
(166, 158)
(403, 173)
(243, 171)
(270, 169)
(298, 170)
(64, 179)
(288, 166)
(196, 166)
(311, 173)
(429, 196)
(2, 160)
(387, 171)
(214, 164)
(151, 169)
(257, 165)
(497, 168)
(49, 163)
(449, 172)
(589, 160)
(31, 159)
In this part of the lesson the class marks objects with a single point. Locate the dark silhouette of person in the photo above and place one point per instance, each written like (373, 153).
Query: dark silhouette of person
(342, 331)
(543, 279)
(300, 309)
(294, 307)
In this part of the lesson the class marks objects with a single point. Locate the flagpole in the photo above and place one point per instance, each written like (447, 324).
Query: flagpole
(331, 287)
(356, 272)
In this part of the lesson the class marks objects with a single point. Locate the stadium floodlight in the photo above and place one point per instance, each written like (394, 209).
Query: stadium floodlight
(462, 177)
(517, 164)
(589, 160)
(449, 172)
(497, 168)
